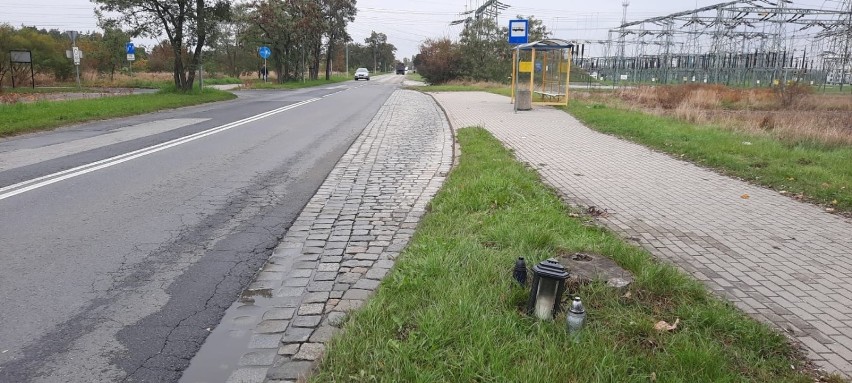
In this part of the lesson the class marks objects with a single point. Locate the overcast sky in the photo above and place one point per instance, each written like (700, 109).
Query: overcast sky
(407, 23)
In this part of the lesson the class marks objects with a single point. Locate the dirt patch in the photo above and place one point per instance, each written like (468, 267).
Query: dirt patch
(585, 268)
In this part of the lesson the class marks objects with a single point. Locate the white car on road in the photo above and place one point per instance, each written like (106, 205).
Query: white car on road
(362, 74)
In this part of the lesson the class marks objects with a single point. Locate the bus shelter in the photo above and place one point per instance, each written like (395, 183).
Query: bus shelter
(540, 73)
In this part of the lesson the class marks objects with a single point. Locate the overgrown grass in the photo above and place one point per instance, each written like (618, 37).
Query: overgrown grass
(221, 81)
(796, 115)
(166, 84)
(449, 311)
(415, 77)
(814, 172)
(145, 83)
(259, 84)
(57, 89)
(27, 117)
(500, 89)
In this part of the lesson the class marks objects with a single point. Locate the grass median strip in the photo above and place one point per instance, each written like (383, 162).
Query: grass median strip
(272, 84)
(450, 312)
(27, 117)
(809, 171)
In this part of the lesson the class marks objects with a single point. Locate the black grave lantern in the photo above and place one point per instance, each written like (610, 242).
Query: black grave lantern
(548, 285)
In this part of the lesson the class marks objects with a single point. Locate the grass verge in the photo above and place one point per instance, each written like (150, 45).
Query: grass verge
(221, 81)
(27, 117)
(449, 310)
(808, 171)
(415, 77)
(257, 84)
(64, 89)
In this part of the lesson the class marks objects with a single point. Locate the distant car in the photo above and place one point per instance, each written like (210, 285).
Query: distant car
(362, 74)
(400, 68)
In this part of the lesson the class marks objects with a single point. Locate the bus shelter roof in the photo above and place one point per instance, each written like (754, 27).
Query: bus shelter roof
(543, 45)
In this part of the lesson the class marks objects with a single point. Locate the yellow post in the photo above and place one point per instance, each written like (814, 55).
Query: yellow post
(532, 73)
(514, 72)
(567, 78)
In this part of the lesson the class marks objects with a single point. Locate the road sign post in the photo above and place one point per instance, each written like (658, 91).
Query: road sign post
(76, 53)
(264, 52)
(131, 55)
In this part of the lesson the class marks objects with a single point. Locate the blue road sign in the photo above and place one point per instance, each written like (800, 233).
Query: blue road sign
(130, 48)
(264, 52)
(519, 32)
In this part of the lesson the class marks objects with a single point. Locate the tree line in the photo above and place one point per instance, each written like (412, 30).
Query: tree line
(306, 38)
(104, 52)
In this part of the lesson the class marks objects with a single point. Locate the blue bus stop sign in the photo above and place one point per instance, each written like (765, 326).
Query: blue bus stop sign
(519, 31)
(264, 52)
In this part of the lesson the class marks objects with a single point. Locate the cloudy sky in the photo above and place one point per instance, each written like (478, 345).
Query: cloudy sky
(407, 22)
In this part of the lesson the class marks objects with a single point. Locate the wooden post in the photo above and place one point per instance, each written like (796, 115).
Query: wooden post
(568, 78)
(532, 73)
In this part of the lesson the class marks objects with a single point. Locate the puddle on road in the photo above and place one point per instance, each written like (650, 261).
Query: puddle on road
(229, 341)
(248, 296)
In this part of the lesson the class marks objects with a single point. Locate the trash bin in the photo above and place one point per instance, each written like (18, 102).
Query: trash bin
(523, 99)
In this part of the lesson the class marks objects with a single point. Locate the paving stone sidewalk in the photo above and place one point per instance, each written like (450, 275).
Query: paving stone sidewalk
(346, 239)
(779, 260)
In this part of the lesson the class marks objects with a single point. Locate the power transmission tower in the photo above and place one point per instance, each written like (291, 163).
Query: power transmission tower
(622, 35)
(489, 10)
(839, 58)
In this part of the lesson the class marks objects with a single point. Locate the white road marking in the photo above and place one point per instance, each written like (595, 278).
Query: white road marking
(22, 157)
(23, 187)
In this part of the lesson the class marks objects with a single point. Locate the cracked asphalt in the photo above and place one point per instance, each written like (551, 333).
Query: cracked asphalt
(121, 273)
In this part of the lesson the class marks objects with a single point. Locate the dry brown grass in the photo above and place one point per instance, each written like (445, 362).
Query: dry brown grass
(122, 78)
(91, 78)
(798, 115)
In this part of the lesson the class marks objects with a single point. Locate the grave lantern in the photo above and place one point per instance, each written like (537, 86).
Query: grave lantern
(548, 284)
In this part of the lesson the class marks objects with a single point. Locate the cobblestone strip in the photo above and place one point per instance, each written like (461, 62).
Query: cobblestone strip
(782, 261)
(346, 239)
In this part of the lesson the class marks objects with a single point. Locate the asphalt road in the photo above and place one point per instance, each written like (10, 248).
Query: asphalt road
(124, 241)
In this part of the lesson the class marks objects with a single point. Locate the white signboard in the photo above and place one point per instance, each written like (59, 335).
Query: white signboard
(76, 54)
(131, 56)
(21, 56)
